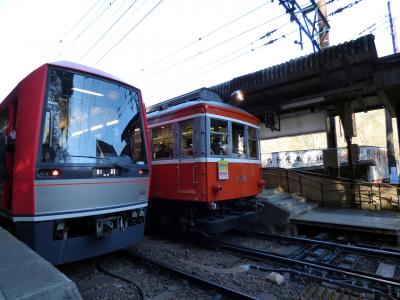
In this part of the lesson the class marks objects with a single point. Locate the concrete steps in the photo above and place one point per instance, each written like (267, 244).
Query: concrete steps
(279, 208)
(291, 203)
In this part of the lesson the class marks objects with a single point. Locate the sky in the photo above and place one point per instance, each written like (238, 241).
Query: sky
(169, 47)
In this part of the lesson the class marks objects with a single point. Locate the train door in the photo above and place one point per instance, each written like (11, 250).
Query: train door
(187, 167)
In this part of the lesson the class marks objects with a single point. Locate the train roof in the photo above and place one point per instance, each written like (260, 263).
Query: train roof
(205, 94)
(202, 96)
(85, 69)
(73, 67)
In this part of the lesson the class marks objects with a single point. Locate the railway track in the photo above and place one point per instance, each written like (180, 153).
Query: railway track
(202, 282)
(369, 250)
(328, 268)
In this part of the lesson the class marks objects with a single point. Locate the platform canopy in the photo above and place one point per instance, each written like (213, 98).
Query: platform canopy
(347, 75)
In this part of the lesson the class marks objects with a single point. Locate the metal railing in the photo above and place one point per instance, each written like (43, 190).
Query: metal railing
(334, 192)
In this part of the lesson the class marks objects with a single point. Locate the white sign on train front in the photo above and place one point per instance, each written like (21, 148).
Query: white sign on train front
(223, 170)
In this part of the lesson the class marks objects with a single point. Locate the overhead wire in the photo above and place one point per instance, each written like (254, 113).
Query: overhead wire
(342, 9)
(376, 23)
(217, 45)
(132, 28)
(212, 32)
(107, 31)
(94, 20)
(225, 41)
(112, 17)
(268, 34)
(80, 20)
(268, 43)
(128, 18)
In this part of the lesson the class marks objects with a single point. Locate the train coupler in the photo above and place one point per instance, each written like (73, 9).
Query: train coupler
(104, 227)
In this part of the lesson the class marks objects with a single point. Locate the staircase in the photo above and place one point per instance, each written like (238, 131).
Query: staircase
(278, 207)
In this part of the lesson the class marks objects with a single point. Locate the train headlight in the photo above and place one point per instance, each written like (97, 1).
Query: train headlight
(237, 96)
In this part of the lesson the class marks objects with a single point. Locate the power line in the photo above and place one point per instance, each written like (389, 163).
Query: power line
(268, 34)
(212, 32)
(87, 27)
(217, 45)
(373, 25)
(79, 21)
(342, 9)
(128, 18)
(268, 43)
(107, 31)
(140, 21)
(112, 17)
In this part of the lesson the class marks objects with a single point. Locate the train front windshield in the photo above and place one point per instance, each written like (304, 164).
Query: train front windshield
(88, 120)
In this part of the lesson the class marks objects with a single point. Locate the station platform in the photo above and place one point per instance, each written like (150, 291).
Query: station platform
(26, 275)
(383, 222)
(284, 212)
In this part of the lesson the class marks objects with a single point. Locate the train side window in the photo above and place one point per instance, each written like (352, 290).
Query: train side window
(238, 141)
(219, 143)
(138, 146)
(186, 134)
(252, 142)
(162, 142)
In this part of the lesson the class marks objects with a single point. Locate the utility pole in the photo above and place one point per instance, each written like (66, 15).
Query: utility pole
(388, 116)
(392, 29)
(305, 15)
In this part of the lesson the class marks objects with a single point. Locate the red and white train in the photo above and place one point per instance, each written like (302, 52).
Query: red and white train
(74, 162)
(206, 166)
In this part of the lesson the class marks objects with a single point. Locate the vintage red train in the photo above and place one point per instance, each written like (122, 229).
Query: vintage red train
(74, 162)
(206, 165)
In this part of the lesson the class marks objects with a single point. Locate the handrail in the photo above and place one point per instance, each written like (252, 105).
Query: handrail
(361, 191)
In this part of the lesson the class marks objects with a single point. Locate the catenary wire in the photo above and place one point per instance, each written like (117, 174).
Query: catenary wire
(268, 34)
(211, 32)
(79, 21)
(223, 42)
(216, 45)
(268, 43)
(87, 27)
(123, 37)
(107, 31)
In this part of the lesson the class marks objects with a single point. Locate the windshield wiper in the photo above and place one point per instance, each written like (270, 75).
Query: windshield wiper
(88, 156)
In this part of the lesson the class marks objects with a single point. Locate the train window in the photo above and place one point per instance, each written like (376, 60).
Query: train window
(252, 140)
(89, 120)
(238, 141)
(162, 142)
(186, 134)
(138, 146)
(219, 143)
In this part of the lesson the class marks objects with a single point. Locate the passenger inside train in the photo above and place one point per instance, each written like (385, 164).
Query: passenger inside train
(163, 152)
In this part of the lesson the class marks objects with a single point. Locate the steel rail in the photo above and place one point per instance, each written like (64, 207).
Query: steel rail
(266, 255)
(373, 251)
(224, 290)
(336, 282)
